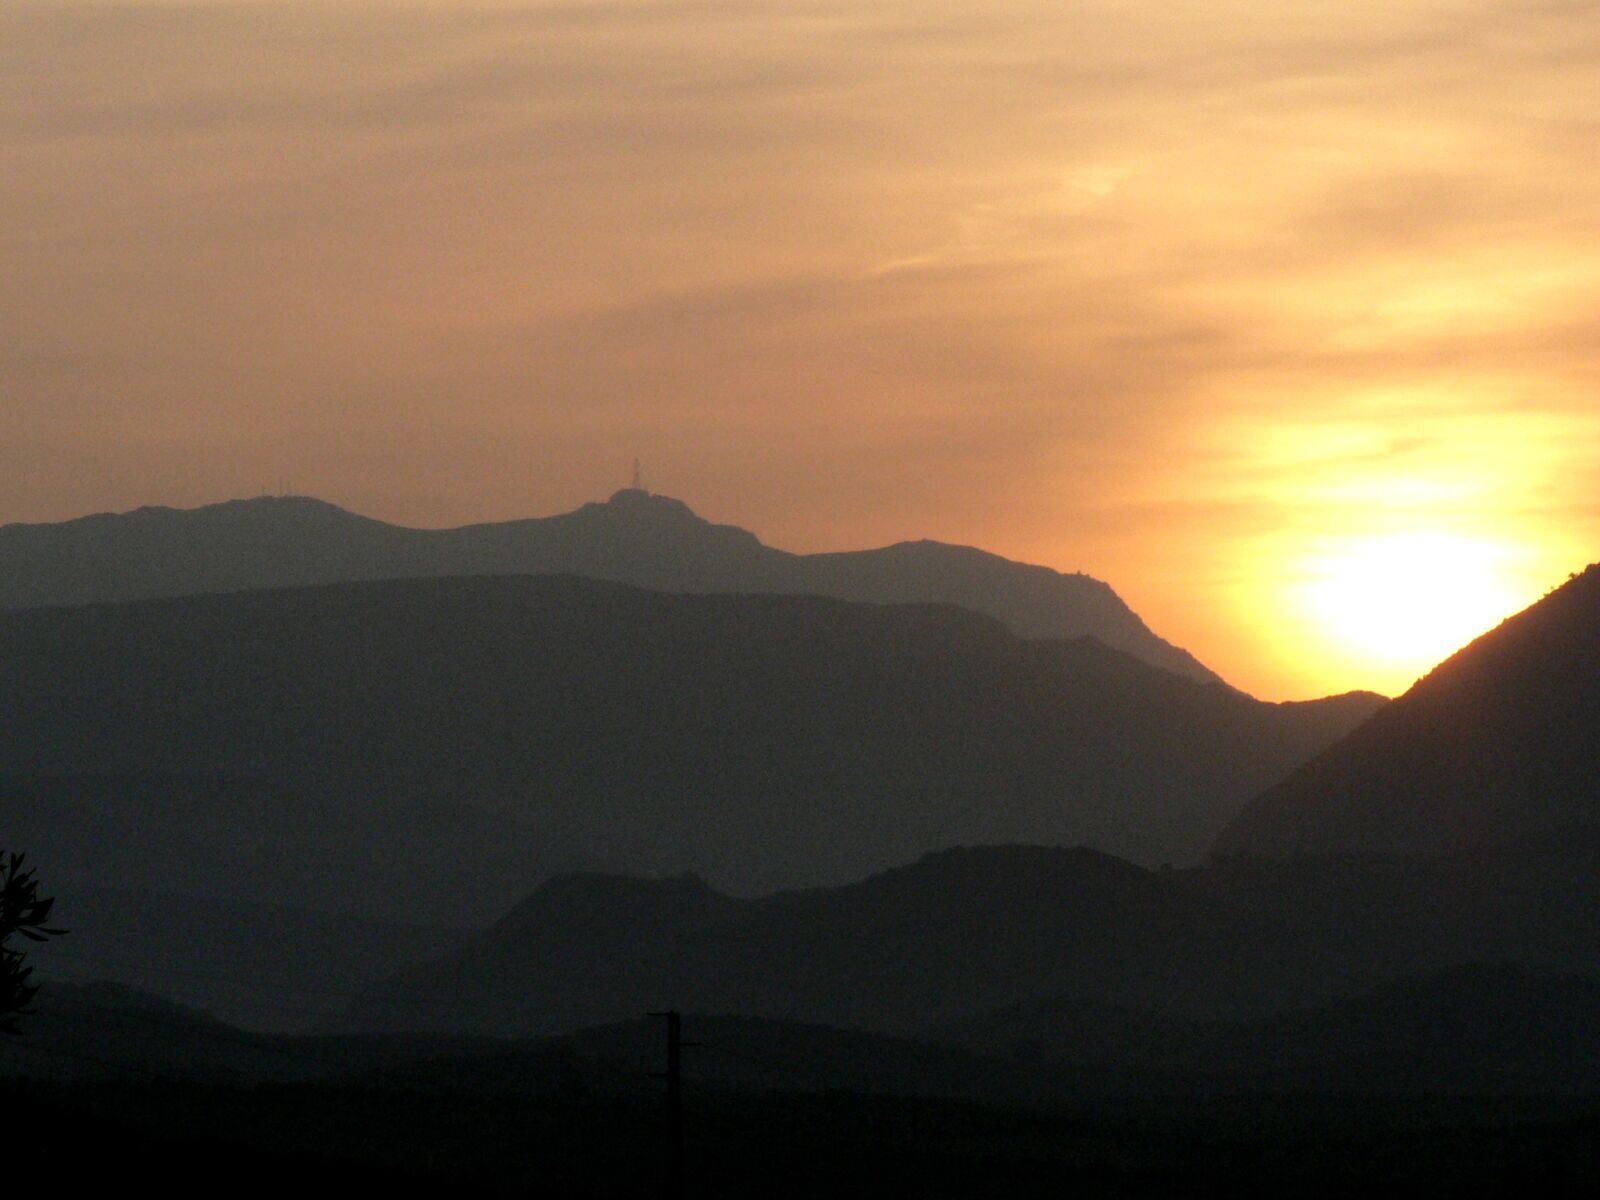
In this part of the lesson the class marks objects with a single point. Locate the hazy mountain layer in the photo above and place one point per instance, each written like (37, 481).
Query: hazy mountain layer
(266, 967)
(352, 741)
(638, 538)
(1478, 1029)
(1498, 742)
(250, 833)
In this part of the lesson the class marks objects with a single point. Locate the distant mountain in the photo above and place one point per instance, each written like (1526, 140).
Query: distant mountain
(151, 820)
(261, 966)
(1496, 743)
(636, 537)
(483, 732)
(1127, 960)
(101, 1029)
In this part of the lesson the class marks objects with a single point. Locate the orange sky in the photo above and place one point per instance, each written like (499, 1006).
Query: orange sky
(1284, 318)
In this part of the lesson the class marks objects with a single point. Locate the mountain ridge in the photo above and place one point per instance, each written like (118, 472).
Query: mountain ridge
(768, 740)
(634, 537)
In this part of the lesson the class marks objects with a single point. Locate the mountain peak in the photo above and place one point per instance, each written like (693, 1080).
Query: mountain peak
(633, 501)
(635, 536)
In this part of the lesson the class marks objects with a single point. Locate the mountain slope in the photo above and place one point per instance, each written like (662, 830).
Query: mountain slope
(767, 741)
(1497, 743)
(638, 538)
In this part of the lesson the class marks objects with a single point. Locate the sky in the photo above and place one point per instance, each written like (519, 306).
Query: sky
(1281, 317)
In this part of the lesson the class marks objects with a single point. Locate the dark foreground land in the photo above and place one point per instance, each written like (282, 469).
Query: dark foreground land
(189, 1139)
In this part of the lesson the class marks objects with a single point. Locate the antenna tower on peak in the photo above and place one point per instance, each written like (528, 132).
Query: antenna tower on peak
(638, 477)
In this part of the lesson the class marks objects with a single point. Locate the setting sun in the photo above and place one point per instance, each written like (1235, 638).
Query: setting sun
(869, 533)
(1401, 602)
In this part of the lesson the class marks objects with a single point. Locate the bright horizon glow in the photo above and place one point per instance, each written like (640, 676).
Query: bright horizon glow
(1402, 602)
(1206, 301)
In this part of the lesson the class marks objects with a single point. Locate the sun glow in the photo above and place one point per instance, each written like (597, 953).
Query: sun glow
(1404, 601)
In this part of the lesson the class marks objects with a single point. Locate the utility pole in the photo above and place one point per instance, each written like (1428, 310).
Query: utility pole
(673, 1175)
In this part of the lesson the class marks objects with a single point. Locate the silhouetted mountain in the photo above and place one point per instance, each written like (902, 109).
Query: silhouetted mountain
(968, 932)
(262, 744)
(99, 1029)
(1476, 1082)
(494, 1127)
(957, 932)
(636, 538)
(1362, 920)
(1476, 1029)
(1498, 742)
(136, 814)
(259, 966)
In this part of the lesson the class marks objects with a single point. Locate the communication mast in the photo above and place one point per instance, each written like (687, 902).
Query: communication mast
(638, 477)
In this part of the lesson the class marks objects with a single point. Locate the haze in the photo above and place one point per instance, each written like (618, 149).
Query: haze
(1279, 317)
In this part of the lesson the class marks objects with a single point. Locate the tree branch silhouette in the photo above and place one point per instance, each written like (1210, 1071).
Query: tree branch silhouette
(23, 913)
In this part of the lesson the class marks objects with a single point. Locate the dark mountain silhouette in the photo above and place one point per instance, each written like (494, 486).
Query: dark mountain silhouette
(95, 1029)
(1360, 920)
(957, 932)
(486, 731)
(775, 1109)
(1476, 1028)
(249, 833)
(968, 932)
(635, 537)
(261, 966)
(779, 1109)
(101, 1029)
(898, 952)
(1496, 743)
